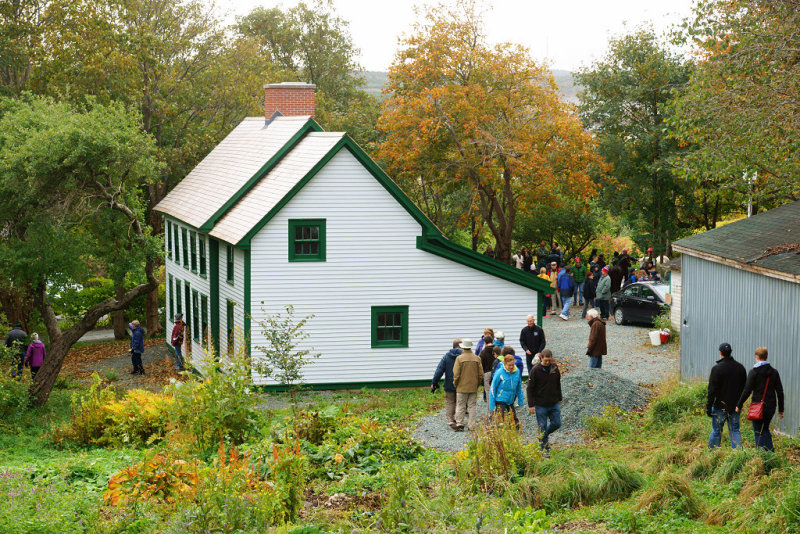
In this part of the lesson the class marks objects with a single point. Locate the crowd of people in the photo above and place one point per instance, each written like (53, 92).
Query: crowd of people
(496, 368)
(579, 283)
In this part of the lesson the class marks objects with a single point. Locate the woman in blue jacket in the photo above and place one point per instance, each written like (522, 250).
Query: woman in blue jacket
(506, 387)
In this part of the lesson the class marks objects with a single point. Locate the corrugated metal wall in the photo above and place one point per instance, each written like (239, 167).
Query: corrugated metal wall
(748, 310)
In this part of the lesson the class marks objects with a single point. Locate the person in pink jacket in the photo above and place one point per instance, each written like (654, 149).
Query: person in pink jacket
(35, 355)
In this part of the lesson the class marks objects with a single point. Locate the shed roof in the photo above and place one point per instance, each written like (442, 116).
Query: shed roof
(228, 168)
(757, 241)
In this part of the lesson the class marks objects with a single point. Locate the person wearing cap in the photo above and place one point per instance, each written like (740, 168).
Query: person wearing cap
(16, 339)
(579, 275)
(137, 347)
(445, 368)
(603, 293)
(177, 340)
(467, 378)
(725, 385)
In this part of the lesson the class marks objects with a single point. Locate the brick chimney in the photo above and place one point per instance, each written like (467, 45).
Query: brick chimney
(290, 98)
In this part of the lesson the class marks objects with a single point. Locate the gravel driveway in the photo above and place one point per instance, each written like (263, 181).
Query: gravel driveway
(632, 361)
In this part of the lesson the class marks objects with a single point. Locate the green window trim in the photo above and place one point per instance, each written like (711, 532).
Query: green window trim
(195, 316)
(203, 258)
(168, 233)
(204, 320)
(185, 247)
(229, 268)
(170, 285)
(229, 326)
(193, 249)
(307, 240)
(389, 327)
(187, 293)
(176, 243)
(178, 301)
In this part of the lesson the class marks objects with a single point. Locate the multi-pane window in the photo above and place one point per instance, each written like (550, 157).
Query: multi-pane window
(192, 240)
(202, 243)
(203, 320)
(168, 234)
(185, 248)
(307, 240)
(389, 326)
(178, 302)
(195, 316)
(229, 266)
(171, 298)
(176, 243)
(229, 325)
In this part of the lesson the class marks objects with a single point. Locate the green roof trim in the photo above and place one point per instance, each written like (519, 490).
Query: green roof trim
(309, 126)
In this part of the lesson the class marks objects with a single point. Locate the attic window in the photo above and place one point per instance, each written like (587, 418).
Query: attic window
(306, 239)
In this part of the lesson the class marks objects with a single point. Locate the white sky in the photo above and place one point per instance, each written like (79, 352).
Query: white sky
(569, 34)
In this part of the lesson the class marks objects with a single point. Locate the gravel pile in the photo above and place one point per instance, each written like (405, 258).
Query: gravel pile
(586, 392)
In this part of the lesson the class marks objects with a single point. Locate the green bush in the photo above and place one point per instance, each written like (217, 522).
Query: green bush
(14, 398)
(683, 400)
(671, 493)
(618, 482)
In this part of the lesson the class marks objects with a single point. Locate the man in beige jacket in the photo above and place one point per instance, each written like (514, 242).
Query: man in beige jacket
(467, 378)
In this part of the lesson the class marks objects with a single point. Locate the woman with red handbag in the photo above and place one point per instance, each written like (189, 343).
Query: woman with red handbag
(764, 383)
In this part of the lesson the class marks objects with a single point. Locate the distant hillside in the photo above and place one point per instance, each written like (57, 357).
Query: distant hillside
(376, 81)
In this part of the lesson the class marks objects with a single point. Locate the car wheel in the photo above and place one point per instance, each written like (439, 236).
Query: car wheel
(619, 316)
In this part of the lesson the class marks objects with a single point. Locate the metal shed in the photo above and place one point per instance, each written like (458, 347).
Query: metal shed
(741, 284)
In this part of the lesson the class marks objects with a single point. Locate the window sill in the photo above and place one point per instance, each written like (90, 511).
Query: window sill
(306, 260)
(392, 346)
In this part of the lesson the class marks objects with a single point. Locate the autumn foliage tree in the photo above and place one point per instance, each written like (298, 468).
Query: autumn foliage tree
(464, 116)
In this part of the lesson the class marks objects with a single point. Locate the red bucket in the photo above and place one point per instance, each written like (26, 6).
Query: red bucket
(664, 337)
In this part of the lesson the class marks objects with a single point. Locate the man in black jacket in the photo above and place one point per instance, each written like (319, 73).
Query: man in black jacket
(532, 341)
(725, 385)
(16, 339)
(544, 396)
(764, 383)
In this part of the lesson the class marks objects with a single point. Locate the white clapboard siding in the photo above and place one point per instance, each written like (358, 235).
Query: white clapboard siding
(372, 260)
(233, 292)
(196, 282)
(227, 168)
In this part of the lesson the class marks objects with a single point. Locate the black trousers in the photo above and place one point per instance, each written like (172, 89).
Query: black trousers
(136, 360)
(501, 408)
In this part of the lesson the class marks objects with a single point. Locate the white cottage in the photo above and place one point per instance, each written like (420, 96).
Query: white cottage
(281, 212)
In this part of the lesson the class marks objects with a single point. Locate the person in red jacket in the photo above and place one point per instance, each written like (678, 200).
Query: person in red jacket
(177, 340)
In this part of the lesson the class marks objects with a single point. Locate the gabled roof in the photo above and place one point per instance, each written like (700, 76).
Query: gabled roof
(220, 178)
(755, 242)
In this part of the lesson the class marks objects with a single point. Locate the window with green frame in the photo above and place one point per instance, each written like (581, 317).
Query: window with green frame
(193, 248)
(229, 325)
(229, 266)
(187, 293)
(170, 287)
(185, 243)
(202, 243)
(168, 233)
(195, 316)
(306, 239)
(178, 304)
(389, 326)
(176, 243)
(203, 320)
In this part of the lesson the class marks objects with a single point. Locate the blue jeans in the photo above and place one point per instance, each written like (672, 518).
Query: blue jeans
(761, 430)
(178, 357)
(718, 420)
(578, 298)
(595, 362)
(565, 301)
(543, 413)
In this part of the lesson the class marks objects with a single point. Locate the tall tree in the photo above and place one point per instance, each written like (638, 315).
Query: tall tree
(741, 110)
(21, 29)
(69, 196)
(464, 115)
(625, 101)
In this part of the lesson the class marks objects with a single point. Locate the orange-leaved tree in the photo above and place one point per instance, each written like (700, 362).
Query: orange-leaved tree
(464, 116)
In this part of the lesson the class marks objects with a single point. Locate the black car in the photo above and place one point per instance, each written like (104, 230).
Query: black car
(640, 302)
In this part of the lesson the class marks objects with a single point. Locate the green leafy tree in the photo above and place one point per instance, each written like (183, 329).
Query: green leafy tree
(741, 109)
(625, 101)
(573, 225)
(69, 195)
(282, 360)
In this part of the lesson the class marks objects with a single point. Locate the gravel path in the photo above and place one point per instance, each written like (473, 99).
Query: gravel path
(631, 361)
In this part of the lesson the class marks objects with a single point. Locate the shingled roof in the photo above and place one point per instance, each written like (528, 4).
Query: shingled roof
(768, 240)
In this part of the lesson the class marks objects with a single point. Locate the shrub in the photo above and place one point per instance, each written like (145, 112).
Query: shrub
(99, 418)
(161, 479)
(576, 488)
(218, 407)
(14, 398)
(677, 403)
(671, 492)
(618, 482)
(600, 426)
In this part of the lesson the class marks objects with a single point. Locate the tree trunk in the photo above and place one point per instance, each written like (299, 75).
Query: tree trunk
(151, 311)
(118, 317)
